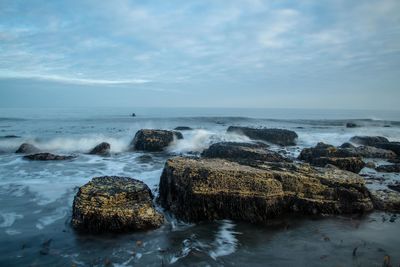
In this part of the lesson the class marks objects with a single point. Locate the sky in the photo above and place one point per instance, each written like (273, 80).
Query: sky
(337, 54)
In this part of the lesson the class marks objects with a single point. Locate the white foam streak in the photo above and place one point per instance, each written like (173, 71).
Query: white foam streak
(225, 241)
(9, 218)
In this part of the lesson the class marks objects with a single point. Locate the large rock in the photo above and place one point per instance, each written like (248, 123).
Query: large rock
(207, 189)
(154, 140)
(26, 148)
(102, 149)
(243, 153)
(323, 154)
(386, 200)
(47, 156)
(275, 136)
(114, 204)
(393, 146)
(370, 152)
(368, 140)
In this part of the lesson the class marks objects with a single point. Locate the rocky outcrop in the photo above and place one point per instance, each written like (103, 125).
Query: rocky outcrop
(389, 168)
(26, 148)
(114, 204)
(244, 153)
(47, 156)
(154, 140)
(102, 149)
(386, 200)
(368, 140)
(323, 154)
(275, 136)
(183, 128)
(208, 189)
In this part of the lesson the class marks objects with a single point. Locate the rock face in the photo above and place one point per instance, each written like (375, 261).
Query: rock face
(26, 148)
(47, 156)
(323, 154)
(114, 204)
(275, 136)
(244, 153)
(183, 128)
(208, 189)
(154, 140)
(101, 149)
(368, 140)
(388, 168)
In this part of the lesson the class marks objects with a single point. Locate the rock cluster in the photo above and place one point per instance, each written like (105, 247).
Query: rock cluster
(275, 136)
(114, 204)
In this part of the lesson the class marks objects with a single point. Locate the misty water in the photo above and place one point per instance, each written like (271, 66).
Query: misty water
(36, 197)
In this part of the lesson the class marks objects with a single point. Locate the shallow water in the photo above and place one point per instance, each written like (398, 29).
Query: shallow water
(36, 197)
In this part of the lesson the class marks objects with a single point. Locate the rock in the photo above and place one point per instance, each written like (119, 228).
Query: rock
(133, 115)
(275, 136)
(47, 156)
(114, 204)
(101, 149)
(347, 145)
(26, 148)
(388, 168)
(351, 125)
(370, 165)
(393, 146)
(144, 158)
(183, 128)
(243, 153)
(154, 140)
(368, 140)
(386, 200)
(395, 187)
(11, 136)
(323, 154)
(208, 189)
(371, 152)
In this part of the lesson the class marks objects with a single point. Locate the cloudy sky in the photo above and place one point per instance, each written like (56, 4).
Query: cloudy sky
(205, 53)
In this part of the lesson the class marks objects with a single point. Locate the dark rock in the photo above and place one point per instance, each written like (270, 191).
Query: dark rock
(386, 200)
(26, 148)
(243, 153)
(371, 152)
(351, 125)
(368, 140)
(347, 145)
(101, 149)
(370, 165)
(275, 136)
(154, 140)
(114, 204)
(395, 187)
(323, 154)
(183, 128)
(393, 146)
(47, 156)
(210, 189)
(388, 168)
(144, 158)
(133, 115)
(10, 136)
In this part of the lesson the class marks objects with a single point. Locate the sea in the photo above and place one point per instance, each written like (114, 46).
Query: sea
(36, 197)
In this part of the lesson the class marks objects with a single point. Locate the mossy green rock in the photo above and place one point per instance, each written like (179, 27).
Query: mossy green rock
(207, 189)
(114, 204)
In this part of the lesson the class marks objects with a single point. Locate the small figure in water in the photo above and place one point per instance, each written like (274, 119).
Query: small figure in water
(133, 115)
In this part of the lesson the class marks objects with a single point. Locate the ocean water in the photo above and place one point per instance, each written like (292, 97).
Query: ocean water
(36, 197)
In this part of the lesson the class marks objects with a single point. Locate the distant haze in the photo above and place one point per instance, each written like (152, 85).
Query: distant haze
(336, 54)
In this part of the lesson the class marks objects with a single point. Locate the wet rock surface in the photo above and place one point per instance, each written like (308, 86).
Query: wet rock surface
(389, 168)
(102, 149)
(47, 156)
(393, 146)
(183, 128)
(244, 153)
(154, 140)
(114, 204)
(26, 148)
(323, 154)
(276, 136)
(368, 140)
(208, 189)
(386, 200)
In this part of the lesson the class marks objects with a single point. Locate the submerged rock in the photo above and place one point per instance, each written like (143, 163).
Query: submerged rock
(209, 189)
(101, 149)
(275, 136)
(11, 136)
(26, 148)
(114, 204)
(368, 140)
(243, 153)
(323, 154)
(183, 128)
(388, 168)
(47, 156)
(351, 125)
(154, 140)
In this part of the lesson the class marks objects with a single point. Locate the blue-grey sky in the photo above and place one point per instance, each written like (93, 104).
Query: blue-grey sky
(200, 53)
